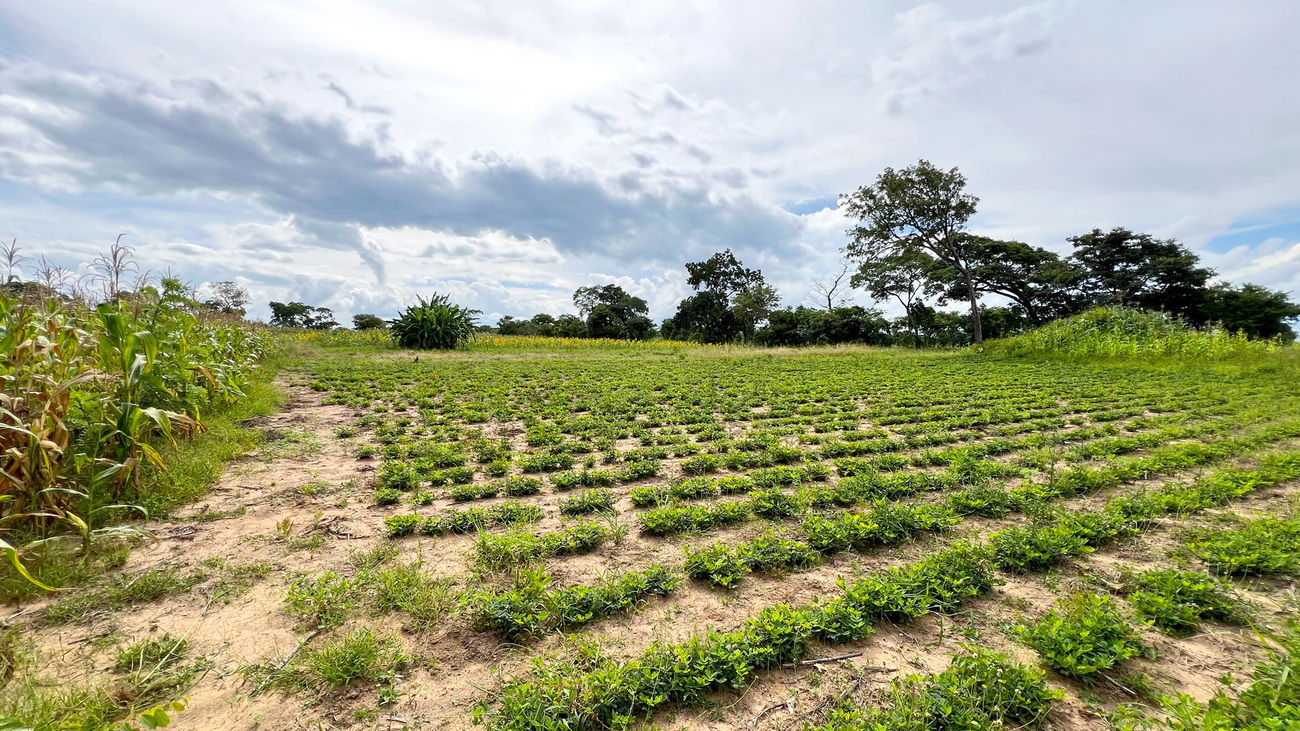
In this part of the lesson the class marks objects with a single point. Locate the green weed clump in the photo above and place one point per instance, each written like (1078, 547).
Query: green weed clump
(324, 601)
(1177, 601)
(1266, 547)
(979, 690)
(532, 608)
(1085, 636)
(588, 502)
(124, 591)
(1036, 548)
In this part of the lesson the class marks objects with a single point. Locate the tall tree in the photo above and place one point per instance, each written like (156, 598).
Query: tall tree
(743, 292)
(1037, 280)
(297, 314)
(832, 290)
(227, 297)
(706, 317)
(1139, 270)
(1251, 309)
(917, 209)
(611, 312)
(904, 277)
(722, 273)
(366, 321)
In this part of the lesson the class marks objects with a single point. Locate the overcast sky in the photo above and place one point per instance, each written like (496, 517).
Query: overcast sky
(355, 154)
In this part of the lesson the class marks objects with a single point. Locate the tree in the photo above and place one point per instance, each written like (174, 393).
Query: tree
(1139, 270)
(1036, 280)
(368, 322)
(297, 314)
(917, 209)
(742, 292)
(570, 326)
(831, 291)
(722, 273)
(228, 298)
(705, 317)
(904, 277)
(611, 312)
(809, 326)
(1251, 309)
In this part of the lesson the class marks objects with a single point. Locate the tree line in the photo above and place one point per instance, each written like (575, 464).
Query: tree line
(909, 245)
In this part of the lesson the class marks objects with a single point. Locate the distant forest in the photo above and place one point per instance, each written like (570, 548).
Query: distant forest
(910, 245)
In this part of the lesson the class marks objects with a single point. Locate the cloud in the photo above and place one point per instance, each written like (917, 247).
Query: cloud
(95, 131)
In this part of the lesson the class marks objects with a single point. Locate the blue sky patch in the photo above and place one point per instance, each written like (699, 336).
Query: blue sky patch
(1283, 224)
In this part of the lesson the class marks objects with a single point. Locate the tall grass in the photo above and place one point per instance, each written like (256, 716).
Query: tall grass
(1113, 332)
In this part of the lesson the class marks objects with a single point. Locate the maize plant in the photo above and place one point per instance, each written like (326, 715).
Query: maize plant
(434, 323)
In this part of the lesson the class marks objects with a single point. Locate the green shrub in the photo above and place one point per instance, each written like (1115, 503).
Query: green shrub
(1084, 637)
(498, 468)
(1176, 601)
(434, 323)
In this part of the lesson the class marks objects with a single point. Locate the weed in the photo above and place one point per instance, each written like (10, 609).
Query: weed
(1085, 636)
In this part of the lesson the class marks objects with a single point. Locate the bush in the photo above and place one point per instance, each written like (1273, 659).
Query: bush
(1085, 636)
(434, 323)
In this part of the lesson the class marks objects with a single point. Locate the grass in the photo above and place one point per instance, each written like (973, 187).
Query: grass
(122, 591)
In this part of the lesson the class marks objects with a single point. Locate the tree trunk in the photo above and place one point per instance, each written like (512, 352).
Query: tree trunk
(977, 330)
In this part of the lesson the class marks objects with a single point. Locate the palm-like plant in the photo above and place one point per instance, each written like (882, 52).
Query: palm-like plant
(434, 323)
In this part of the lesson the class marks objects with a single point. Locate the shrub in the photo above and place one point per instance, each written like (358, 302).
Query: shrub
(434, 323)
(1085, 636)
(1176, 601)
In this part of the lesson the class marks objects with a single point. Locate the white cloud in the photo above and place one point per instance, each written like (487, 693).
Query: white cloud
(362, 152)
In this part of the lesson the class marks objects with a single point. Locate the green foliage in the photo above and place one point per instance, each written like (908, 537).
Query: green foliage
(774, 504)
(671, 521)
(434, 323)
(1176, 601)
(1084, 637)
(1114, 332)
(979, 690)
(361, 656)
(151, 653)
(1035, 548)
(885, 524)
(716, 564)
(590, 501)
(324, 601)
(515, 548)
(532, 608)
(1266, 547)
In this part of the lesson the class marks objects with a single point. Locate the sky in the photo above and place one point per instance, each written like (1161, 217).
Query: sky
(354, 155)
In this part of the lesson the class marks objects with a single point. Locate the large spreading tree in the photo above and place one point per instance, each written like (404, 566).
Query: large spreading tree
(919, 209)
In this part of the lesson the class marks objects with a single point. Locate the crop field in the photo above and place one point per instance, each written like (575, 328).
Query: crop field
(539, 535)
